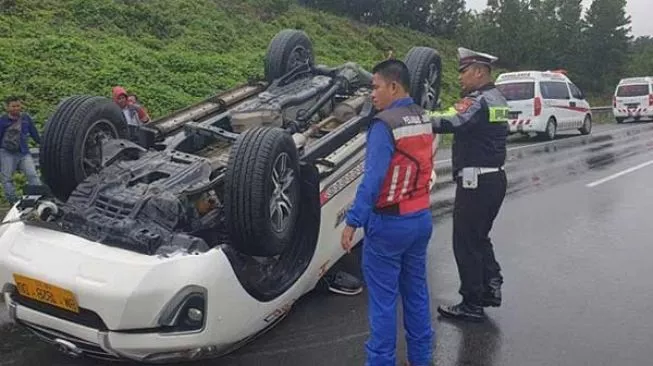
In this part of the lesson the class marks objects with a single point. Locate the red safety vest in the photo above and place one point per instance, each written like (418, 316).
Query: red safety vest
(405, 188)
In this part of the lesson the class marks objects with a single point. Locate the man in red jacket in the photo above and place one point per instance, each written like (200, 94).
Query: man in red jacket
(134, 113)
(392, 205)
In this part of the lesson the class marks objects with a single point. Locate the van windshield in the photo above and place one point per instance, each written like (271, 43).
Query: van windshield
(635, 90)
(517, 91)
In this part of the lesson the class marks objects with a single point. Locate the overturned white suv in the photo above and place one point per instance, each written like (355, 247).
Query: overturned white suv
(202, 235)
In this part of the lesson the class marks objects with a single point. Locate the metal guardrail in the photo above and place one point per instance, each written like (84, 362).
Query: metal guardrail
(602, 109)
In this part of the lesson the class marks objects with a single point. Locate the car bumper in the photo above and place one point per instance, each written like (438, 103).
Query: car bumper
(526, 125)
(122, 295)
(77, 340)
(633, 113)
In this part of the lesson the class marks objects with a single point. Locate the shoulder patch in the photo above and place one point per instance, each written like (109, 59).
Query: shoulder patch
(463, 105)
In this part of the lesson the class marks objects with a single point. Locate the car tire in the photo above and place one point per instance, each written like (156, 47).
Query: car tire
(260, 215)
(586, 129)
(287, 50)
(620, 120)
(76, 129)
(549, 133)
(425, 68)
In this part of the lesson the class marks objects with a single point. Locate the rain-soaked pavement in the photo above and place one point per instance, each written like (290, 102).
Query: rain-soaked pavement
(578, 289)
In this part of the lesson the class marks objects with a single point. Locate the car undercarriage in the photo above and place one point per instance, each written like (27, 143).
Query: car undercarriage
(240, 170)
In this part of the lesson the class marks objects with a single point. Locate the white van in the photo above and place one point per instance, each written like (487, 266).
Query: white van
(545, 102)
(633, 99)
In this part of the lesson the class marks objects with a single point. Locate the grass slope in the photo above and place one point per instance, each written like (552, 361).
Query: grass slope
(173, 53)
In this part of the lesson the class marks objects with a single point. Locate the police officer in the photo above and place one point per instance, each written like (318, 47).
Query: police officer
(479, 125)
(392, 205)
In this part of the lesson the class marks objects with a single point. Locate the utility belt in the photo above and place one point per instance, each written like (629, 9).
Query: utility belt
(469, 175)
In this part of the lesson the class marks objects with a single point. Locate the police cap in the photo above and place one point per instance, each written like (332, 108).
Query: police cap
(468, 57)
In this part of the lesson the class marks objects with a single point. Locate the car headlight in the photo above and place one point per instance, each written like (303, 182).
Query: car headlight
(185, 312)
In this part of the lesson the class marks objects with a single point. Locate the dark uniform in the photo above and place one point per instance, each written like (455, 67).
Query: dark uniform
(479, 124)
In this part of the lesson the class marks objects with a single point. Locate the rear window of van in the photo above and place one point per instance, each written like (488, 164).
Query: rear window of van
(518, 91)
(634, 90)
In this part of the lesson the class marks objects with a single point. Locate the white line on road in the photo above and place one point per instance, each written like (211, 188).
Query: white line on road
(619, 174)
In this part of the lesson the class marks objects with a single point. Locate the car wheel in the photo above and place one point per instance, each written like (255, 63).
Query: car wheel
(550, 131)
(289, 49)
(620, 120)
(262, 191)
(425, 67)
(586, 129)
(71, 148)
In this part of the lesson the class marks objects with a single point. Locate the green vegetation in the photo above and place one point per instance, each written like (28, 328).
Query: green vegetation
(173, 53)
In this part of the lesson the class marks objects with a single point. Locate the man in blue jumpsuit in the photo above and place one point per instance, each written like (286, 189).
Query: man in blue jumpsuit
(392, 205)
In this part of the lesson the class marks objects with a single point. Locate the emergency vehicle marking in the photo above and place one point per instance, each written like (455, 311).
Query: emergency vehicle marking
(339, 185)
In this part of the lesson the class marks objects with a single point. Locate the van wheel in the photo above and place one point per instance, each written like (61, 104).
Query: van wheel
(550, 131)
(586, 129)
(620, 120)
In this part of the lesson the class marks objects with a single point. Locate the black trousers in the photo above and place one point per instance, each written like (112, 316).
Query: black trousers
(473, 216)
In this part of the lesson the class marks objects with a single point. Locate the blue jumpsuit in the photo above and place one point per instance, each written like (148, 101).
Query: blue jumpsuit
(394, 260)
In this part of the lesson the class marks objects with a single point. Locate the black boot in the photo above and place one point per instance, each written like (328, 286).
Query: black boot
(463, 311)
(492, 295)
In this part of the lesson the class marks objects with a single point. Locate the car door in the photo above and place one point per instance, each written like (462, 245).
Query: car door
(578, 105)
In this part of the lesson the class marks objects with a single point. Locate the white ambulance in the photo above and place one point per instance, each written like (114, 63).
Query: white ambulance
(633, 99)
(544, 102)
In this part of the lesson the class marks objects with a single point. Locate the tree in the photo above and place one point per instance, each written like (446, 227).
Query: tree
(641, 57)
(605, 40)
(446, 16)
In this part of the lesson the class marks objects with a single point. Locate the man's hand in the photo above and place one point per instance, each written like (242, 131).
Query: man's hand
(347, 238)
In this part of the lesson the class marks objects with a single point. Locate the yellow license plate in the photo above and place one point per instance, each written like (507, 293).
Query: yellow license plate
(46, 293)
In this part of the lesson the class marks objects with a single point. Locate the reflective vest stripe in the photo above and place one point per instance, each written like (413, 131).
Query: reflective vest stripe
(412, 130)
(406, 181)
(393, 184)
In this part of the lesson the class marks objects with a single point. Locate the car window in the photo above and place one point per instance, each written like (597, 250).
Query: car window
(634, 90)
(575, 92)
(554, 90)
(517, 91)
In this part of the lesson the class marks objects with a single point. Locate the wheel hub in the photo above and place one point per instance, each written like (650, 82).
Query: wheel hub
(429, 92)
(98, 133)
(281, 204)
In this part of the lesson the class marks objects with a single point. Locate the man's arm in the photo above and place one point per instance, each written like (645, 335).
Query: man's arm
(33, 131)
(462, 117)
(380, 148)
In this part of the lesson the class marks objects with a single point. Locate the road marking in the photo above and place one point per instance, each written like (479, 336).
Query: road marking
(619, 174)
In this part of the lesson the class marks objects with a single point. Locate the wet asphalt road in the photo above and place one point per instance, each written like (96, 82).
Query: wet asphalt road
(578, 290)
(517, 141)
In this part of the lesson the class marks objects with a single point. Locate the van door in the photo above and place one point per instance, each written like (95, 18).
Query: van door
(631, 99)
(579, 106)
(556, 101)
